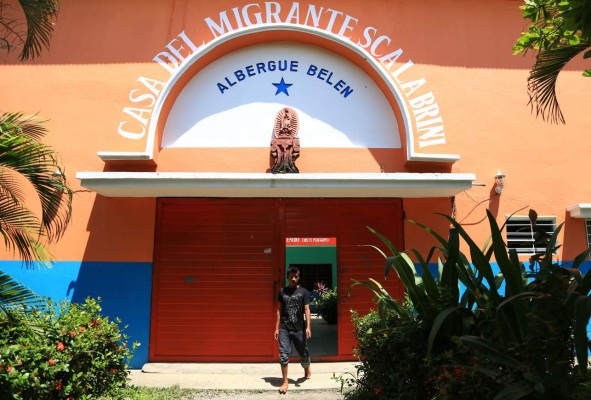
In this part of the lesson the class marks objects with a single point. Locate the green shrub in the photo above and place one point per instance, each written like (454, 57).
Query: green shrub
(326, 304)
(394, 363)
(64, 351)
(527, 340)
(392, 353)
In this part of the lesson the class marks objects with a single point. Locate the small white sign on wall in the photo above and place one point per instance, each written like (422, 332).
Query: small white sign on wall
(233, 101)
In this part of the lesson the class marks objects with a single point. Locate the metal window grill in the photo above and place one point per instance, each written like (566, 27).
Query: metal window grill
(588, 226)
(526, 240)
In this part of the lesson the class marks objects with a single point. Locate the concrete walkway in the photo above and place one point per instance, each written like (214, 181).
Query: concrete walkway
(237, 376)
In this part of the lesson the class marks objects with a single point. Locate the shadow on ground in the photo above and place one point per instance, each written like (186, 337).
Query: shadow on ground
(276, 382)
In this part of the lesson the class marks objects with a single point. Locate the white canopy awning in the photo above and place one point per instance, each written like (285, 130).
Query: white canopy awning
(190, 184)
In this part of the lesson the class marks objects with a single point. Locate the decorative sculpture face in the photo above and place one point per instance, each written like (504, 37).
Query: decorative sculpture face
(286, 123)
(285, 148)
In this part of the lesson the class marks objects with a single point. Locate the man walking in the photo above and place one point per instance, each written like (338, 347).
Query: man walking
(294, 302)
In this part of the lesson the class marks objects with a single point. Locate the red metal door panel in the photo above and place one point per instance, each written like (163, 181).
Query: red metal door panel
(216, 270)
(360, 262)
(213, 280)
(347, 220)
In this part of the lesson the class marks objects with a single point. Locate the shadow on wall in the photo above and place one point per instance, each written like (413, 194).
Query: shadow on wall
(120, 229)
(121, 236)
(124, 289)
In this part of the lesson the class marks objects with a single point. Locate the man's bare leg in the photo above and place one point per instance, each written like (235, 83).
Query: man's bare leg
(307, 373)
(283, 388)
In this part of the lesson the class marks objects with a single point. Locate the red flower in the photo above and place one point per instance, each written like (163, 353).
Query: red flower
(51, 362)
(95, 322)
(457, 372)
(73, 333)
(58, 386)
(377, 390)
(8, 369)
(70, 398)
(113, 371)
(82, 329)
(60, 346)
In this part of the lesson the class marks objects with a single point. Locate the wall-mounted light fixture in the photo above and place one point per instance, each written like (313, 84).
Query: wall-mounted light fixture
(499, 182)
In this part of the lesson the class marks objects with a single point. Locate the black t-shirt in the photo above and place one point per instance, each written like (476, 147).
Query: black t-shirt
(292, 303)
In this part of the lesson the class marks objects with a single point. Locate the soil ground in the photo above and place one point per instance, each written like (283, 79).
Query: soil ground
(326, 394)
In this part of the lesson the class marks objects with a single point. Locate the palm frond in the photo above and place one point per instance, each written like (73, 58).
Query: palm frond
(29, 28)
(20, 230)
(17, 123)
(14, 294)
(9, 185)
(39, 15)
(21, 152)
(541, 83)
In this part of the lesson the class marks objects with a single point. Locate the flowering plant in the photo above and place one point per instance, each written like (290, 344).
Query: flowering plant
(320, 288)
(326, 302)
(63, 351)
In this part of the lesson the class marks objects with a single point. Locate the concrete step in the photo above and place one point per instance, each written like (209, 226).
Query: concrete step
(239, 376)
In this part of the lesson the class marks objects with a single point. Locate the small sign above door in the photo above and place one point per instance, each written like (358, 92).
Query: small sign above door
(321, 241)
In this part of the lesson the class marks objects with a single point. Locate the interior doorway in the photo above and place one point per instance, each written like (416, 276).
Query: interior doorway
(316, 258)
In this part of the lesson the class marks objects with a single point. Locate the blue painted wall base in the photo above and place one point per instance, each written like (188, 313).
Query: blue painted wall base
(584, 268)
(125, 289)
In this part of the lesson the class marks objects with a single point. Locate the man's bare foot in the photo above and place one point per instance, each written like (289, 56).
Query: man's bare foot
(283, 388)
(307, 373)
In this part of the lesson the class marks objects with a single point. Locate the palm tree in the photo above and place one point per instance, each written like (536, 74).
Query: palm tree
(22, 154)
(15, 301)
(560, 31)
(541, 83)
(32, 34)
(14, 295)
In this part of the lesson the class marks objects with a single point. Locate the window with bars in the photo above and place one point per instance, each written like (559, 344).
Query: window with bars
(526, 240)
(588, 225)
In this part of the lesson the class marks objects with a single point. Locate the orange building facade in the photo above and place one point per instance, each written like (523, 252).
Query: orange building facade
(168, 117)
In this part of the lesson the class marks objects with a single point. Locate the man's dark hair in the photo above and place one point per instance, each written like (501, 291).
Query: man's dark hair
(293, 270)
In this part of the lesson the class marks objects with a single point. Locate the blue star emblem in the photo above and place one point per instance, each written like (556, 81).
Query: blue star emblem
(282, 87)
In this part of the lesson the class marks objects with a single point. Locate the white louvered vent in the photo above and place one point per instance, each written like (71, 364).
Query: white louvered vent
(523, 238)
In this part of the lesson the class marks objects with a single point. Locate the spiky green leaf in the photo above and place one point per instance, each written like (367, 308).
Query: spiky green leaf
(582, 314)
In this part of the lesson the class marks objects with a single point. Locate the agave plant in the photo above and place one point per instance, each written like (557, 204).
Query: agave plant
(526, 335)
